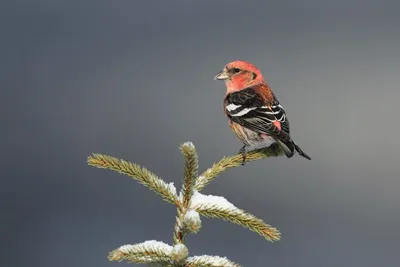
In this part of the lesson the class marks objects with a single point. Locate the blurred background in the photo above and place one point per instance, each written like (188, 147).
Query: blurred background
(134, 79)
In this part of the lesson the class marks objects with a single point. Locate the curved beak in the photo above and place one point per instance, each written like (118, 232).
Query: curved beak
(222, 75)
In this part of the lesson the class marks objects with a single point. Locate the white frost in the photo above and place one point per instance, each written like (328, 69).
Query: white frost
(200, 180)
(188, 144)
(199, 200)
(151, 245)
(206, 260)
(179, 253)
(192, 221)
(192, 215)
(172, 188)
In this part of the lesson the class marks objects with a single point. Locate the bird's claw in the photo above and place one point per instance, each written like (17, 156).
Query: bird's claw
(242, 151)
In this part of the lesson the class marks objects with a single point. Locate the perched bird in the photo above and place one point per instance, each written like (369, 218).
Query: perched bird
(253, 111)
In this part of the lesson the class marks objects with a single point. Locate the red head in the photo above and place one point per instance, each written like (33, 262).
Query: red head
(239, 75)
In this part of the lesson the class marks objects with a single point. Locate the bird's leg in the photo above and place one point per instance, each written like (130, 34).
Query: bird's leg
(243, 152)
(275, 148)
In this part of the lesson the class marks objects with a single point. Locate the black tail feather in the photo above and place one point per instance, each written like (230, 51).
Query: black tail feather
(301, 153)
(290, 147)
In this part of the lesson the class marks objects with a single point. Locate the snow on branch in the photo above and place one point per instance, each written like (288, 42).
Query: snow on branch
(219, 207)
(209, 261)
(190, 205)
(147, 252)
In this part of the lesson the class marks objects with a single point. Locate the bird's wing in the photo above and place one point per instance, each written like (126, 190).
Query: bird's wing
(249, 109)
(280, 115)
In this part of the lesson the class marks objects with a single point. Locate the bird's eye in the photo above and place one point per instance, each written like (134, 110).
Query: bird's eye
(236, 70)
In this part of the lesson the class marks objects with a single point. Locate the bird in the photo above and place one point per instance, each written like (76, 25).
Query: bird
(254, 112)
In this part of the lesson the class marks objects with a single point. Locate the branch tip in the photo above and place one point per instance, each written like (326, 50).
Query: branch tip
(234, 161)
(190, 171)
(141, 174)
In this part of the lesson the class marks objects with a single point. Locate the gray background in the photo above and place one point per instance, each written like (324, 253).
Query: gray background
(133, 79)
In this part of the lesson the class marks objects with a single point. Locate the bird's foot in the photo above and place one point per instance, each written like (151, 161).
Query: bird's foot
(243, 152)
(275, 149)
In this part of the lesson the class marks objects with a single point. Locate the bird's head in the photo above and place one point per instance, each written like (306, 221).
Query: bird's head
(239, 75)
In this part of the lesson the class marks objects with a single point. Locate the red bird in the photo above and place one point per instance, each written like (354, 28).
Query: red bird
(254, 113)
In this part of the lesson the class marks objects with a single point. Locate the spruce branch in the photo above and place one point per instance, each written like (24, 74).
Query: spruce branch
(192, 221)
(190, 173)
(220, 208)
(147, 252)
(179, 231)
(179, 253)
(209, 261)
(190, 205)
(235, 161)
(244, 219)
(141, 174)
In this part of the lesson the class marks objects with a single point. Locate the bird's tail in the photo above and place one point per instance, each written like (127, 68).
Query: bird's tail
(290, 148)
(301, 153)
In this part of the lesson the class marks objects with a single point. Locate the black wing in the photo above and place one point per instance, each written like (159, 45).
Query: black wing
(248, 109)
